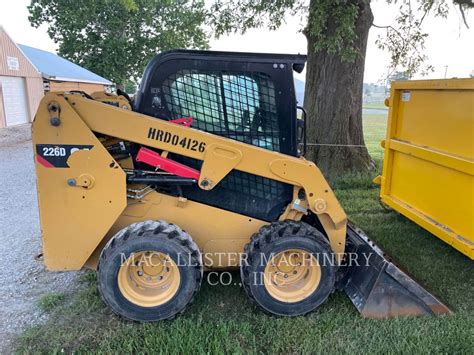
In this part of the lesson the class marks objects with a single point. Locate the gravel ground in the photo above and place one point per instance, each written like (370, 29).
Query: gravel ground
(23, 280)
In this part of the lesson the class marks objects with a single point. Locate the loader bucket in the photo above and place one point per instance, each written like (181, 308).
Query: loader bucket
(379, 288)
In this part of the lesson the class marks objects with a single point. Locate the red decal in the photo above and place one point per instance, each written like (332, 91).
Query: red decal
(43, 161)
(154, 159)
(183, 121)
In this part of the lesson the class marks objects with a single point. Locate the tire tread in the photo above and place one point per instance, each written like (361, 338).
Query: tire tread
(268, 234)
(147, 229)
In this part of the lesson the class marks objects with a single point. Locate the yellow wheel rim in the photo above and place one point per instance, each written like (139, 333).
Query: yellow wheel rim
(292, 275)
(149, 278)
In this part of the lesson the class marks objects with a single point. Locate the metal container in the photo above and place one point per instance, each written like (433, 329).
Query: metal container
(429, 158)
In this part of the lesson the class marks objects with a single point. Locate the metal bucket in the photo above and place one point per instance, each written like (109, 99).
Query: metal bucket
(378, 287)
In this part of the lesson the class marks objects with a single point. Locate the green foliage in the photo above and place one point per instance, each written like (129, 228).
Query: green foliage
(400, 75)
(330, 22)
(130, 87)
(51, 301)
(406, 39)
(332, 25)
(117, 38)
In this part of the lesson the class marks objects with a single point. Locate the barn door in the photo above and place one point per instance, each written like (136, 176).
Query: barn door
(14, 100)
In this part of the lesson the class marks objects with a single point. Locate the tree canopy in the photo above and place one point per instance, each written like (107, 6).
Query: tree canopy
(332, 24)
(337, 34)
(117, 38)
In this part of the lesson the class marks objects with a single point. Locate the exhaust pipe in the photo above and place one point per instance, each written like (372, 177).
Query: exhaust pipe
(381, 289)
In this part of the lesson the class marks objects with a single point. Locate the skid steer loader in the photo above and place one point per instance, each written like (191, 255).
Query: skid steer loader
(203, 170)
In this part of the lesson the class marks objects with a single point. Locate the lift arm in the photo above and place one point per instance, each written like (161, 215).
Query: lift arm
(219, 155)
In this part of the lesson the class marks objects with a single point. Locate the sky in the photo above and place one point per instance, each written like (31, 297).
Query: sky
(449, 43)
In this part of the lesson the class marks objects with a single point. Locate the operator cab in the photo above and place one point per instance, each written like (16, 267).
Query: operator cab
(248, 97)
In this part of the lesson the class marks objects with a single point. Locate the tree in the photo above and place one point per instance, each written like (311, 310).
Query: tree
(117, 38)
(337, 33)
(400, 75)
(130, 87)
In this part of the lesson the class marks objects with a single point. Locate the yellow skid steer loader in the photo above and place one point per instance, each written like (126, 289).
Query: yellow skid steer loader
(203, 170)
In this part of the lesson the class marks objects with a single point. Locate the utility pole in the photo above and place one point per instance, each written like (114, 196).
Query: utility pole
(445, 71)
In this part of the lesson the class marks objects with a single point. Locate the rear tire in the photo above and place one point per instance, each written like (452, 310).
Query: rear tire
(149, 271)
(288, 268)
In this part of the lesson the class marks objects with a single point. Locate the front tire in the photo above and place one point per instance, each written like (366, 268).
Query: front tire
(288, 268)
(149, 271)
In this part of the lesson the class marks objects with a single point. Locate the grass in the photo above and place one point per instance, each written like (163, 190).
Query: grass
(48, 302)
(222, 320)
(380, 105)
(374, 131)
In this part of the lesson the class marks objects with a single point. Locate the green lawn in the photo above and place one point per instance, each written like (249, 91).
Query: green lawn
(374, 131)
(222, 320)
(380, 105)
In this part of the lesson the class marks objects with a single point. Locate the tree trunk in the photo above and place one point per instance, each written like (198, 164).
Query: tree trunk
(333, 100)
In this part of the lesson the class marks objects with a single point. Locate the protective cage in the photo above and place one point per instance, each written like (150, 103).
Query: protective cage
(246, 97)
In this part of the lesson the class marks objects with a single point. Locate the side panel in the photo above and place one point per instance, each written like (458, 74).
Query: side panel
(74, 219)
(429, 158)
(221, 235)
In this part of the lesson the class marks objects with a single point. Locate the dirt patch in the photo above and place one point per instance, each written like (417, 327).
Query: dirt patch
(23, 280)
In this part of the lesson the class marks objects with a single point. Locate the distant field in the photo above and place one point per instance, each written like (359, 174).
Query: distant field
(222, 320)
(375, 105)
(374, 131)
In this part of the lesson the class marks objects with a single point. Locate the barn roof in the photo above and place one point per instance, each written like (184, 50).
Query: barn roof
(54, 67)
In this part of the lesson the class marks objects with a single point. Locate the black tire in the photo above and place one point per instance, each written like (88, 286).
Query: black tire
(156, 236)
(275, 238)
